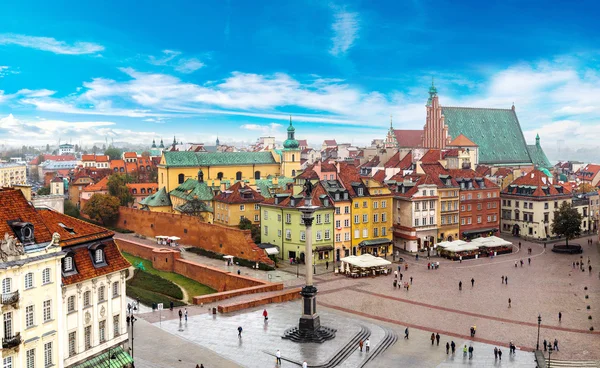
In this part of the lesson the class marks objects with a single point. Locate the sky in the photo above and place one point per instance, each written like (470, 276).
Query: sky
(116, 70)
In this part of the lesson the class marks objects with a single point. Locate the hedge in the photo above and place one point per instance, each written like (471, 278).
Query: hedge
(147, 297)
(154, 283)
(236, 260)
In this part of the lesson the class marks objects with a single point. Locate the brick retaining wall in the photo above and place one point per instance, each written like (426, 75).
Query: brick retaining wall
(283, 296)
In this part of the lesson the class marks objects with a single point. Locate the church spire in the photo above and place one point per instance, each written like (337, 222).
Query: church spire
(537, 140)
(432, 92)
(391, 126)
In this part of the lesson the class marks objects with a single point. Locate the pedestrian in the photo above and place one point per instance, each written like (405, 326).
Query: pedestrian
(266, 315)
(240, 332)
(519, 245)
(129, 307)
(395, 283)
(506, 280)
(545, 344)
(437, 338)
(515, 264)
(128, 319)
(432, 338)
(472, 282)
(556, 345)
(171, 305)
(452, 346)
(521, 262)
(400, 276)
(360, 345)
(544, 245)
(428, 266)
(186, 314)
(411, 280)
(417, 256)
(367, 345)
(447, 347)
(180, 315)
(406, 333)
(395, 274)
(503, 280)
(305, 364)
(470, 351)
(559, 316)
(407, 287)
(509, 302)
(500, 354)
(239, 272)
(278, 356)
(495, 353)
(465, 350)
(573, 264)
(326, 265)
(590, 269)
(460, 285)
(529, 260)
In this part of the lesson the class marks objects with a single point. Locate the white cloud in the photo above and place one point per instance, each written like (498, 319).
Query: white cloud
(6, 70)
(167, 56)
(172, 58)
(189, 65)
(50, 44)
(345, 31)
(269, 129)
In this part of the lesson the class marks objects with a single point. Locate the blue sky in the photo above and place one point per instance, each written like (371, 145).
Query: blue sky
(237, 69)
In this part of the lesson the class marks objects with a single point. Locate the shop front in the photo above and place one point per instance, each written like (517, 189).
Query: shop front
(478, 233)
(376, 247)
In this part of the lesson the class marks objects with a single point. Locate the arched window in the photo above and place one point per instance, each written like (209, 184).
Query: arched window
(149, 190)
(122, 169)
(257, 175)
(181, 178)
(220, 176)
(134, 191)
(293, 157)
(116, 169)
(143, 190)
(148, 168)
(6, 286)
(293, 172)
(142, 168)
(238, 175)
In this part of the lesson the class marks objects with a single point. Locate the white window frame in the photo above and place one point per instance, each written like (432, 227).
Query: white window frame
(87, 298)
(327, 234)
(101, 293)
(302, 235)
(288, 234)
(72, 343)
(242, 207)
(48, 354)
(365, 233)
(102, 331)
(30, 358)
(29, 280)
(327, 218)
(98, 256)
(356, 234)
(115, 289)
(319, 235)
(30, 316)
(346, 236)
(46, 279)
(47, 305)
(7, 362)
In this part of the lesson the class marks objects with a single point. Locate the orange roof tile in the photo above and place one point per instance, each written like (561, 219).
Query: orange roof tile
(100, 186)
(408, 138)
(85, 268)
(234, 195)
(130, 155)
(14, 206)
(541, 184)
(462, 141)
(83, 231)
(433, 155)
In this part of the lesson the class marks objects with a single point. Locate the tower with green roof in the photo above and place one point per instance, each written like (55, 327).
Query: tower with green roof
(290, 160)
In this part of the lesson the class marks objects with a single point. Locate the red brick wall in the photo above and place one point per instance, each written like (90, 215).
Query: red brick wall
(283, 296)
(484, 212)
(194, 232)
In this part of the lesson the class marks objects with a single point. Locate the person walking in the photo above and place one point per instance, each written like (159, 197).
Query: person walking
(266, 315)
(452, 347)
(472, 282)
(305, 364)
(460, 285)
(447, 347)
(506, 280)
(521, 262)
(180, 315)
(544, 245)
(470, 351)
(406, 333)
(519, 245)
(400, 276)
(171, 305)
(556, 345)
(516, 264)
(573, 264)
(411, 280)
(437, 338)
(395, 274)
(360, 345)
(240, 332)
(278, 356)
(465, 350)
(395, 283)
(432, 338)
(509, 302)
(529, 261)
(500, 354)
(545, 345)
(559, 316)
(128, 319)
(185, 314)
(495, 353)
(502, 279)
(367, 345)
(326, 265)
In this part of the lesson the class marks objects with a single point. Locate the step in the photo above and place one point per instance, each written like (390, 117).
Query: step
(573, 363)
(388, 340)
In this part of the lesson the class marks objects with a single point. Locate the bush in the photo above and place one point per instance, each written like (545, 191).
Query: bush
(242, 262)
(148, 297)
(157, 284)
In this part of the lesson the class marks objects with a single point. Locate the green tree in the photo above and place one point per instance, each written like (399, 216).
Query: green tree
(246, 224)
(113, 153)
(194, 207)
(94, 149)
(567, 222)
(44, 190)
(71, 209)
(102, 207)
(146, 154)
(117, 187)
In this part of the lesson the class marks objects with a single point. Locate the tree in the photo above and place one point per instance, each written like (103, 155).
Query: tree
(94, 149)
(102, 207)
(113, 153)
(567, 222)
(585, 188)
(44, 190)
(71, 209)
(246, 224)
(117, 187)
(194, 207)
(146, 154)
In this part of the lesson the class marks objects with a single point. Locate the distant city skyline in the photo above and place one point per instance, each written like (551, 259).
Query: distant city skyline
(238, 70)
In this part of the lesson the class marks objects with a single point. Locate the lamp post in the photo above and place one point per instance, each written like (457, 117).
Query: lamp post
(550, 350)
(537, 345)
(133, 319)
(297, 262)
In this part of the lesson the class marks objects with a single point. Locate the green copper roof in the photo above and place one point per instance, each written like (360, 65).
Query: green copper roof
(291, 142)
(113, 358)
(158, 199)
(538, 157)
(266, 184)
(197, 159)
(188, 208)
(497, 132)
(192, 188)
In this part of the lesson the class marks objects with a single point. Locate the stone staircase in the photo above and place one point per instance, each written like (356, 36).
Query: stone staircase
(388, 340)
(573, 364)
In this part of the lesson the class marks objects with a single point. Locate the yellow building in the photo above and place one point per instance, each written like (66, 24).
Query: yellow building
(290, 164)
(12, 173)
(371, 213)
(157, 202)
(237, 202)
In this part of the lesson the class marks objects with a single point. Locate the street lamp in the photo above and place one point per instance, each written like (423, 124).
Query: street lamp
(537, 345)
(297, 263)
(133, 319)
(550, 350)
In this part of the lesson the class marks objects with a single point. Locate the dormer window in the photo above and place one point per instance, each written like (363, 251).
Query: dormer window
(68, 229)
(68, 264)
(98, 256)
(360, 191)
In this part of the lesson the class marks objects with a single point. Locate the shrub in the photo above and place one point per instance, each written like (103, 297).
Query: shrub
(148, 297)
(156, 284)
(236, 260)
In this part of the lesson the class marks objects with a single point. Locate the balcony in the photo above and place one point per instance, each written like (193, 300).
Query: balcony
(11, 342)
(10, 298)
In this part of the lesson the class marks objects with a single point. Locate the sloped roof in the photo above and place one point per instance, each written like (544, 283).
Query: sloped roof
(117, 164)
(374, 162)
(497, 132)
(471, 174)
(588, 172)
(433, 155)
(309, 173)
(408, 138)
(265, 184)
(197, 159)
(233, 194)
(535, 184)
(158, 199)
(330, 142)
(130, 155)
(395, 162)
(483, 170)
(101, 186)
(379, 175)
(139, 186)
(15, 207)
(188, 207)
(47, 157)
(302, 143)
(299, 199)
(83, 231)
(192, 188)
(349, 174)
(85, 268)
(462, 141)
(538, 157)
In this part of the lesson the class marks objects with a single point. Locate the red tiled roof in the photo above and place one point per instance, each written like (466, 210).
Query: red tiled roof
(100, 186)
(48, 157)
(450, 153)
(503, 172)
(302, 143)
(462, 141)
(468, 173)
(432, 156)
(83, 231)
(483, 170)
(57, 180)
(374, 162)
(149, 188)
(536, 179)
(85, 268)
(234, 195)
(404, 164)
(379, 175)
(328, 167)
(408, 138)
(14, 206)
(309, 173)
(318, 190)
(349, 174)
(101, 158)
(117, 164)
(588, 172)
(130, 155)
(330, 142)
(88, 157)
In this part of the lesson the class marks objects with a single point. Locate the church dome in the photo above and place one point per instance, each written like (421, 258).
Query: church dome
(291, 142)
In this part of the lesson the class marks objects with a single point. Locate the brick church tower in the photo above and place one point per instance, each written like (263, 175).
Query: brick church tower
(435, 133)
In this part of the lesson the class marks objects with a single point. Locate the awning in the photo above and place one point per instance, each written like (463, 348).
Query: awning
(404, 236)
(271, 251)
(113, 358)
(324, 248)
(491, 242)
(374, 242)
(480, 231)
(365, 261)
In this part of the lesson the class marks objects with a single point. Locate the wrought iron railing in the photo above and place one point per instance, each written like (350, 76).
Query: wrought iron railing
(10, 298)
(12, 341)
